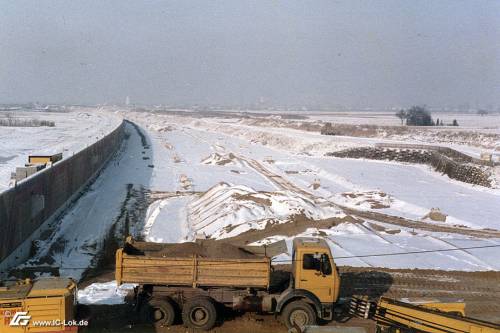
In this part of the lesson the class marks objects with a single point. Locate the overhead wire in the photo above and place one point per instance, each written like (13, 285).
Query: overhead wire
(291, 260)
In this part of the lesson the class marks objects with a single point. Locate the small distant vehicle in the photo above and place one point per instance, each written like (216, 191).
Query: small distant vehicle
(194, 287)
(44, 306)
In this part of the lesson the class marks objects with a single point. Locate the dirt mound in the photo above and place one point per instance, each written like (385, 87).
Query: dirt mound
(251, 197)
(435, 215)
(205, 249)
(218, 159)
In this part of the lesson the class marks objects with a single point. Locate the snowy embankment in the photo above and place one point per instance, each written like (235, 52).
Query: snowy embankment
(225, 211)
(73, 131)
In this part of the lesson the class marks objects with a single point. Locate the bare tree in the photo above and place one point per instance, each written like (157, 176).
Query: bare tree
(402, 115)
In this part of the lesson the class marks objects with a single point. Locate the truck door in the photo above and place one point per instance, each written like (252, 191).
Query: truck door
(315, 274)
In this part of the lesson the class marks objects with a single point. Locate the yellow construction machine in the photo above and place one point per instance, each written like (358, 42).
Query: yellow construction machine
(432, 317)
(46, 305)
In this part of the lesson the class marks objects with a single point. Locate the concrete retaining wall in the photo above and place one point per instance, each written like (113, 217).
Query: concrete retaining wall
(40, 198)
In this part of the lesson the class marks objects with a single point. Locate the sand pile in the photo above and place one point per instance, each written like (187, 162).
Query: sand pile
(205, 249)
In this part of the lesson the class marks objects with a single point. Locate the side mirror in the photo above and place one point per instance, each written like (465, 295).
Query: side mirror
(324, 265)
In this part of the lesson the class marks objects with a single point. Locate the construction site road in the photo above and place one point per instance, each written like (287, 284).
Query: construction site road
(479, 290)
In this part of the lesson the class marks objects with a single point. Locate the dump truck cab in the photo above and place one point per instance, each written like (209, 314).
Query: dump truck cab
(45, 305)
(315, 279)
(314, 269)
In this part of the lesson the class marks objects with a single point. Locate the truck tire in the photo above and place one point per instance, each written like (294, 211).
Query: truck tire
(298, 313)
(160, 312)
(199, 313)
(83, 312)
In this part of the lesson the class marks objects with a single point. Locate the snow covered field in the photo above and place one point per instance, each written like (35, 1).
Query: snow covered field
(221, 179)
(72, 132)
(397, 189)
(466, 120)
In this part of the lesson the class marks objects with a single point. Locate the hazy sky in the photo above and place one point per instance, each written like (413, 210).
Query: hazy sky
(356, 53)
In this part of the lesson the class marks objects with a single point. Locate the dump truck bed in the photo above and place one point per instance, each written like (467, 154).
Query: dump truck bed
(163, 264)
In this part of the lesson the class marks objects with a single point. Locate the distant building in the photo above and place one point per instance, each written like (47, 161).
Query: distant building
(43, 159)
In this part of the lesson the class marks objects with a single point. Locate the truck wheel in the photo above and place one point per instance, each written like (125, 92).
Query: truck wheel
(199, 313)
(298, 313)
(160, 312)
(82, 312)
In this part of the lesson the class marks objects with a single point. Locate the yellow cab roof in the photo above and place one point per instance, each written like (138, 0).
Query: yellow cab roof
(51, 287)
(310, 243)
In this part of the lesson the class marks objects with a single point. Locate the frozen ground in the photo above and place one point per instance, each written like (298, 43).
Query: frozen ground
(390, 188)
(219, 178)
(175, 229)
(73, 131)
(374, 244)
(282, 134)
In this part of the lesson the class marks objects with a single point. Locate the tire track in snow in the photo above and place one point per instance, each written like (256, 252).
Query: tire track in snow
(381, 217)
(465, 252)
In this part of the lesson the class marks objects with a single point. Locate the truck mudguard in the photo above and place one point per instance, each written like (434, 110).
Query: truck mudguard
(298, 293)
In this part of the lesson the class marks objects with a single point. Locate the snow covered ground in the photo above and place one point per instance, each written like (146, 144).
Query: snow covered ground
(73, 131)
(172, 212)
(466, 120)
(104, 293)
(228, 210)
(217, 178)
(414, 189)
(391, 188)
(364, 246)
(278, 134)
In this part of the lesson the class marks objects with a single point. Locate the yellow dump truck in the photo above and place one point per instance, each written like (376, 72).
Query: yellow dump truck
(173, 283)
(45, 305)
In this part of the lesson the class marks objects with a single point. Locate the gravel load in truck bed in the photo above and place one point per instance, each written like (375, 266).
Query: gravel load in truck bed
(205, 249)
